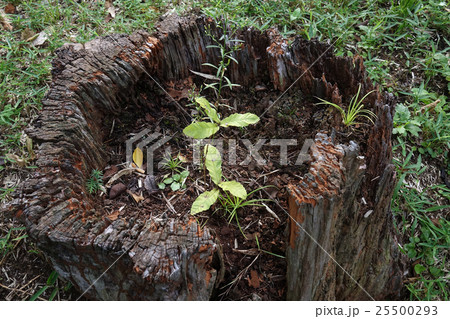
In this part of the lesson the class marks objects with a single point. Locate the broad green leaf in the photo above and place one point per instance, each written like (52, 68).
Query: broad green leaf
(175, 186)
(200, 130)
(213, 162)
(436, 272)
(184, 174)
(204, 201)
(161, 185)
(413, 129)
(235, 188)
(240, 120)
(419, 269)
(138, 157)
(210, 111)
(168, 180)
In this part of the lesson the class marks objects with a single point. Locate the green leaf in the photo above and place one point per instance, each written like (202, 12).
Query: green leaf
(176, 177)
(161, 185)
(53, 294)
(240, 120)
(419, 269)
(168, 180)
(235, 188)
(184, 174)
(435, 272)
(210, 111)
(213, 162)
(204, 201)
(38, 293)
(52, 278)
(175, 186)
(399, 130)
(297, 14)
(413, 129)
(200, 130)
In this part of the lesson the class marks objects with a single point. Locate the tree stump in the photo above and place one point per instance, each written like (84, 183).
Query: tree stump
(176, 259)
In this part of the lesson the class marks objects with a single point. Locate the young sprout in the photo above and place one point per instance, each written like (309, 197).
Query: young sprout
(355, 109)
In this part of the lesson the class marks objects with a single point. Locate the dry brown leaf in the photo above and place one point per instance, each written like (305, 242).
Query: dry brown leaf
(177, 95)
(28, 35)
(41, 39)
(110, 9)
(113, 216)
(16, 159)
(137, 198)
(10, 9)
(110, 171)
(108, 4)
(112, 12)
(119, 174)
(254, 280)
(182, 158)
(4, 21)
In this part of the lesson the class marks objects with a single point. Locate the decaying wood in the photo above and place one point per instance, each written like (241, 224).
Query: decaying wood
(174, 259)
(329, 214)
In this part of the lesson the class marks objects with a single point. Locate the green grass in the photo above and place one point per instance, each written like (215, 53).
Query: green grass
(405, 46)
(354, 110)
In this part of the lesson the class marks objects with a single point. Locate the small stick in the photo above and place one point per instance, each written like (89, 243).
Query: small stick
(430, 106)
(263, 175)
(20, 290)
(169, 205)
(125, 171)
(271, 212)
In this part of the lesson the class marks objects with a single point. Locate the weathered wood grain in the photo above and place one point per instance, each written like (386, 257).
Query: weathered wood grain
(174, 259)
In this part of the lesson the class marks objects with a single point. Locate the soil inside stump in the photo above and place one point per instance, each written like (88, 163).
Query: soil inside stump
(250, 273)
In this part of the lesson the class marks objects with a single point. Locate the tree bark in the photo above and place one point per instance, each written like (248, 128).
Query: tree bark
(175, 259)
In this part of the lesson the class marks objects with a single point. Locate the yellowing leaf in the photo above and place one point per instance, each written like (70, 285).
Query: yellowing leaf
(235, 188)
(138, 157)
(213, 162)
(210, 111)
(200, 130)
(182, 158)
(29, 145)
(240, 120)
(204, 201)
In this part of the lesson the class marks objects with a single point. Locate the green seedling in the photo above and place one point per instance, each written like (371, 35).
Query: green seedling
(7, 243)
(265, 251)
(175, 164)
(232, 194)
(202, 129)
(213, 163)
(355, 110)
(231, 204)
(51, 283)
(175, 181)
(95, 182)
(226, 46)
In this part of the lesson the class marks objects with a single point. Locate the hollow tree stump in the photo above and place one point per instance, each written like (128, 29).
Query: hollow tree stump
(175, 259)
